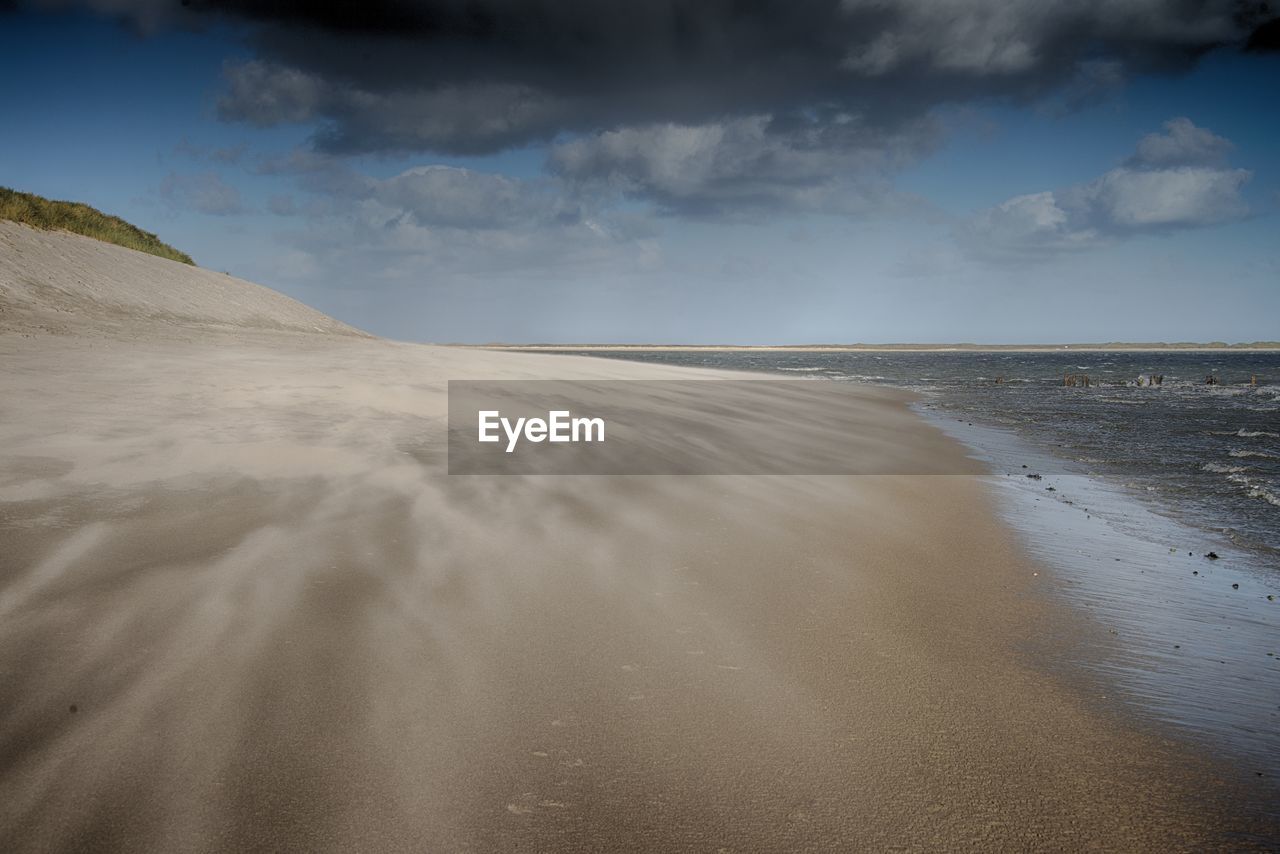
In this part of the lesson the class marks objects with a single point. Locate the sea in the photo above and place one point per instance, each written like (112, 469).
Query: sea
(1156, 505)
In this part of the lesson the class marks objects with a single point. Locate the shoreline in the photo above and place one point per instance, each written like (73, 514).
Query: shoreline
(1183, 646)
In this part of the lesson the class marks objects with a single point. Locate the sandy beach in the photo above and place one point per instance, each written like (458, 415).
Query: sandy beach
(244, 607)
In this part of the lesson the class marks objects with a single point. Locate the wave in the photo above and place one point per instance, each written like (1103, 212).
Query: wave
(1244, 433)
(1237, 453)
(1220, 469)
(1255, 490)
(1264, 494)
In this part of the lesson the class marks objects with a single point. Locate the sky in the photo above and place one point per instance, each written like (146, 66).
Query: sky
(707, 171)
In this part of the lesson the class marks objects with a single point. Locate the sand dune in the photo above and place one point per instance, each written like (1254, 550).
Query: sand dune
(65, 283)
(242, 607)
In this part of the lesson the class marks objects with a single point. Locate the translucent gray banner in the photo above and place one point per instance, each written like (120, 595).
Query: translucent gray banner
(690, 427)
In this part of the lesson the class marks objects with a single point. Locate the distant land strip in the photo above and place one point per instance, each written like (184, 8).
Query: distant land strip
(824, 348)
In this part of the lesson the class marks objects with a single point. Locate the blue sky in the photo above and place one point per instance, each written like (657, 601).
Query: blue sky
(1147, 211)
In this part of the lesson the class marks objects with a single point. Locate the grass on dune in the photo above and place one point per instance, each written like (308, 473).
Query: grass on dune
(49, 215)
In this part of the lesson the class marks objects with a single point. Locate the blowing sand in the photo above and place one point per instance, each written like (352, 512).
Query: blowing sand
(242, 607)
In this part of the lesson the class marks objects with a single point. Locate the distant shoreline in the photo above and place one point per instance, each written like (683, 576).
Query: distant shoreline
(1257, 346)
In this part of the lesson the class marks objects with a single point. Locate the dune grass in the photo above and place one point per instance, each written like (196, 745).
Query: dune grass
(49, 215)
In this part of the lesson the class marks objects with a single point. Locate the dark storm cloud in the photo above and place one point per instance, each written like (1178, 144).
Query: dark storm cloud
(720, 108)
(1265, 38)
(480, 76)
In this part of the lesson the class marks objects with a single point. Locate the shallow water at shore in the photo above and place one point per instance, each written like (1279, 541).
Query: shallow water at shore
(1188, 639)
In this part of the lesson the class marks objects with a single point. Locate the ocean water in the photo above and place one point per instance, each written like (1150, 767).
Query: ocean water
(1208, 455)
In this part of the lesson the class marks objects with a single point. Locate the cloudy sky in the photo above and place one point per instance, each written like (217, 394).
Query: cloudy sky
(750, 171)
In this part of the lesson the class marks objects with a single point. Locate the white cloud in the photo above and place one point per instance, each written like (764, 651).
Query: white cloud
(435, 223)
(1177, 179)
(1034, 224)
(829, 164)
(1182, 197)
(204, 193)
(452, 197)
(1182, 144)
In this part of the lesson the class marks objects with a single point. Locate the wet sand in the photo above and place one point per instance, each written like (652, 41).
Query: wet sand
(242, 607)
(1190, 641)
